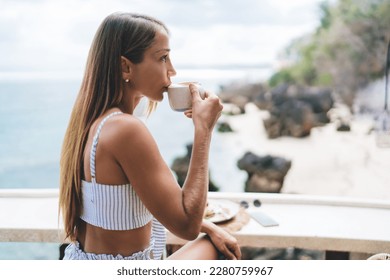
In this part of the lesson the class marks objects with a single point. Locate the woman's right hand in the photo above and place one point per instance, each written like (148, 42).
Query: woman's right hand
(204, 112)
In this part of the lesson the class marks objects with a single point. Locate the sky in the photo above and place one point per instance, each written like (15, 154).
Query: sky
(54, 36)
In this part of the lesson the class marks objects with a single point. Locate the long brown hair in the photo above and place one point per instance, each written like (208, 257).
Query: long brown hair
(120, 34)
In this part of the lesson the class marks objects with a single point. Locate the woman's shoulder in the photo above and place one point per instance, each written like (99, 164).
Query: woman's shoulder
(127, 135)
(124, 125)
(124, 120)
(125, 129)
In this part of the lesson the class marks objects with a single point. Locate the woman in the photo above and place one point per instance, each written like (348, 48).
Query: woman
(117, 194)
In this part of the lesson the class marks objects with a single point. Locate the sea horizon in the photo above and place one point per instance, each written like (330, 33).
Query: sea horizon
(35, 113)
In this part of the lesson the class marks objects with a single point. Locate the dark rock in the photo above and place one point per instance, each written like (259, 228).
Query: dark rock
(224, 127)
(263, 101)
(296, 110)
(297, 118)
(247, 90)
(319, 99)
(180, 167)
(240, 94)
(273, 126)
(321, 119)
(343, 127)
(265, 174)
(240, 102)
(257, 183)
(280, 90)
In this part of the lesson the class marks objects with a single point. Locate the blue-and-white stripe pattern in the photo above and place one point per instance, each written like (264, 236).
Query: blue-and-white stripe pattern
(114, 207)
(95, 142)
(154, 251)
(117, 207)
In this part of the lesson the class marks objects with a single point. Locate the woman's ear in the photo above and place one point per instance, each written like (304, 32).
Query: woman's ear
(126, 68)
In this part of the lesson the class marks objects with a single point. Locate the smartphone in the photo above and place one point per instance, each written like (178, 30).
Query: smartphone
(264, 219)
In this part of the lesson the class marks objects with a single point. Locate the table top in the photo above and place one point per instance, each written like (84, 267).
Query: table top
(308, 222)
(311, 222)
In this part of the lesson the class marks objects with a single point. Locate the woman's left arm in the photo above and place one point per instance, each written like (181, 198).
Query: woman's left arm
(223, 241)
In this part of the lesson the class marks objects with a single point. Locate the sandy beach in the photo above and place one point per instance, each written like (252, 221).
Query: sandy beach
(327, 162)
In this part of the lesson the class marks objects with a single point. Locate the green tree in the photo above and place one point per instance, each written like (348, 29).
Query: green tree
(346, 51)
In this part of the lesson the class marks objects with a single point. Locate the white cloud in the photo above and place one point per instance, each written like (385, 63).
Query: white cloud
(231, 44)
(55, 36)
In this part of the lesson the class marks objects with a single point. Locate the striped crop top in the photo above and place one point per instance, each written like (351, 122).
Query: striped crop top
(113, 207)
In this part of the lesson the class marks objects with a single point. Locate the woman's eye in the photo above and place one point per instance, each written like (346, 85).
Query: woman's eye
(164, 58)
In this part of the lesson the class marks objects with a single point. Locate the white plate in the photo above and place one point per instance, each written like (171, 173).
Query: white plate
(221, 210)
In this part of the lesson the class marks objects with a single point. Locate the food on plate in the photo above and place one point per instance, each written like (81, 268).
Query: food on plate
(220, 210)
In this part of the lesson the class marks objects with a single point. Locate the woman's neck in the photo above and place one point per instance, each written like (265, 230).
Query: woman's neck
(130, 101)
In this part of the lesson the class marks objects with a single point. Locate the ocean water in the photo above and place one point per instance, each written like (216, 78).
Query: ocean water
(33, 118)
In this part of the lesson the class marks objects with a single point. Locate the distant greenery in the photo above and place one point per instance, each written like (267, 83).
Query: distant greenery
(346, 51)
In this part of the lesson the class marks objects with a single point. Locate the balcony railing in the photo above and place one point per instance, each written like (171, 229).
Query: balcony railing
(308, 222)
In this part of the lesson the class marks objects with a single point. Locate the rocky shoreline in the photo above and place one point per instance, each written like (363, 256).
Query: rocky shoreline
(315, 147)
(293, 111)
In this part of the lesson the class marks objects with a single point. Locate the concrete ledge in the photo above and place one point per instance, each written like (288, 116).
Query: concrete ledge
(308, 222)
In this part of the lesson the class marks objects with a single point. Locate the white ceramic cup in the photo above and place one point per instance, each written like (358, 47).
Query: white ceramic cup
(179, 95)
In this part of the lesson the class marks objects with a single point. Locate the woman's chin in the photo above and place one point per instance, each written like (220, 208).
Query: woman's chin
(159, 98)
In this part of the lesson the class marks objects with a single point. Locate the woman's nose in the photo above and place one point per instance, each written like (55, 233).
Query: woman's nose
(171, 71)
